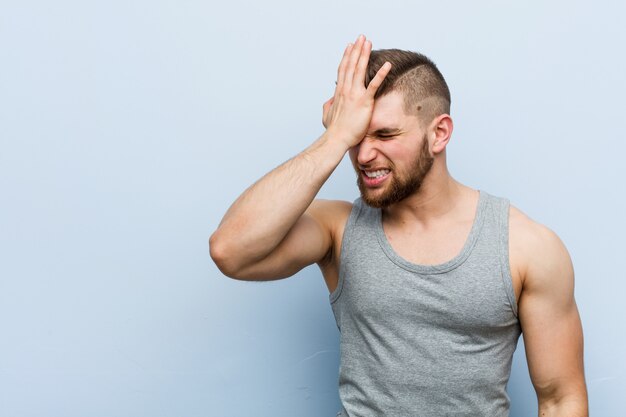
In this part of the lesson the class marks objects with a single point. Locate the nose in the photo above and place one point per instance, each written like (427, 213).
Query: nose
(365, 151)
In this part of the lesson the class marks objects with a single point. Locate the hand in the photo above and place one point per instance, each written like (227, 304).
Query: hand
(348, 113)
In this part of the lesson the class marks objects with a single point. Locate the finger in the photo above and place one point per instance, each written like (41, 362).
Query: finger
(378, 79)
(361, 68)
(353, 60)
(354, 57)
(341, 71)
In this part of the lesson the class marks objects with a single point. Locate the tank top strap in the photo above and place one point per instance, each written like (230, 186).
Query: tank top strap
(501, 208)
(347, 242)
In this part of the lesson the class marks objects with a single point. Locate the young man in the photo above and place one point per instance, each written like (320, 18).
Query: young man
(431, 282)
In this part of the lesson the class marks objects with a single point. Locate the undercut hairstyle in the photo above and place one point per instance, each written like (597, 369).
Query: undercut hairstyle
(423, 88)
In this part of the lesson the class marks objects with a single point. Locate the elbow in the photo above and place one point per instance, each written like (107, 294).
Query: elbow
(570, 401)
(222, 256)
(574, 407)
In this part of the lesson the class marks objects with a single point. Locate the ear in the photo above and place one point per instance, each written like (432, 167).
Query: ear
(441, 130)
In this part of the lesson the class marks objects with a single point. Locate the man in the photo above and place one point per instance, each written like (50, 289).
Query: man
(431, 282)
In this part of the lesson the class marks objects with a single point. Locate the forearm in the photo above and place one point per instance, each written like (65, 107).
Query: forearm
(261, 217)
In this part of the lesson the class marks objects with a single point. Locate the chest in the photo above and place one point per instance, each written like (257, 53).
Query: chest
(470, 298)
(435, 245)
(428, 246)
(440, 244)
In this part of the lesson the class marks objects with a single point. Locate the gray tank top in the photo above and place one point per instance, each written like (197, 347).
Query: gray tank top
(425, 340)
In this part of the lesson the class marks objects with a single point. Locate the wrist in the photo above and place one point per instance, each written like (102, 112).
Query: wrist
(324, 154)
(337, 140)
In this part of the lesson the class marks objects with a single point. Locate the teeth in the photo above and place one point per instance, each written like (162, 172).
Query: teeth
(377, 174)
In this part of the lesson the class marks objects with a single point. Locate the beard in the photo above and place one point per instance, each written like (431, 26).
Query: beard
(399, 187)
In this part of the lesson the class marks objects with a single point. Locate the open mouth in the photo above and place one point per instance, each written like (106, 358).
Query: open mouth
(373, 178)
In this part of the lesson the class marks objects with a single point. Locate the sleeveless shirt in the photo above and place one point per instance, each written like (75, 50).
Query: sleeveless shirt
(425, 340)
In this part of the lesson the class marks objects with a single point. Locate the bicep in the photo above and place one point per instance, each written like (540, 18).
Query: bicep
(307, 242)
(549, 318)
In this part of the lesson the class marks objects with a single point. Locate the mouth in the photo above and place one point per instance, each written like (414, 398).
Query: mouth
(373, 178)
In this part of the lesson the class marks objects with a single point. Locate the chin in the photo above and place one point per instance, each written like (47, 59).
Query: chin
(376, 201)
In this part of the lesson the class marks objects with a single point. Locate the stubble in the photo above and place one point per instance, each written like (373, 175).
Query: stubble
(400, 187)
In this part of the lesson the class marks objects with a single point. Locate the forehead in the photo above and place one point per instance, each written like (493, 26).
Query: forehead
(389, 112)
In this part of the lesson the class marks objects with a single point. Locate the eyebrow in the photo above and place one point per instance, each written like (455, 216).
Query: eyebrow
(386, 131)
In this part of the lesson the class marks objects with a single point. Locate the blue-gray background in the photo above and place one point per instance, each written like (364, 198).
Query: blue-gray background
(127, 128)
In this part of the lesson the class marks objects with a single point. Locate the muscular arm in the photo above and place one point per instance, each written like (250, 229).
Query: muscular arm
(272, 230)
(258, 222)
(551, 324)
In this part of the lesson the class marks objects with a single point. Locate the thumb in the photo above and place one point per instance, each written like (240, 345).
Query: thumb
(326, 109)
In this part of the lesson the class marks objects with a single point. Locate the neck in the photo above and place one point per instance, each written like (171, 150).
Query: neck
(439, 195)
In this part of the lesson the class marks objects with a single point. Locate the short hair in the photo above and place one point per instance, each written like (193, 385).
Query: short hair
(424, 89)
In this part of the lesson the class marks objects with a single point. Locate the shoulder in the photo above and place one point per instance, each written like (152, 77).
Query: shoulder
(540, 256)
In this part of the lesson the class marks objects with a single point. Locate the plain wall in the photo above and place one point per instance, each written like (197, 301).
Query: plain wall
(127, 128)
